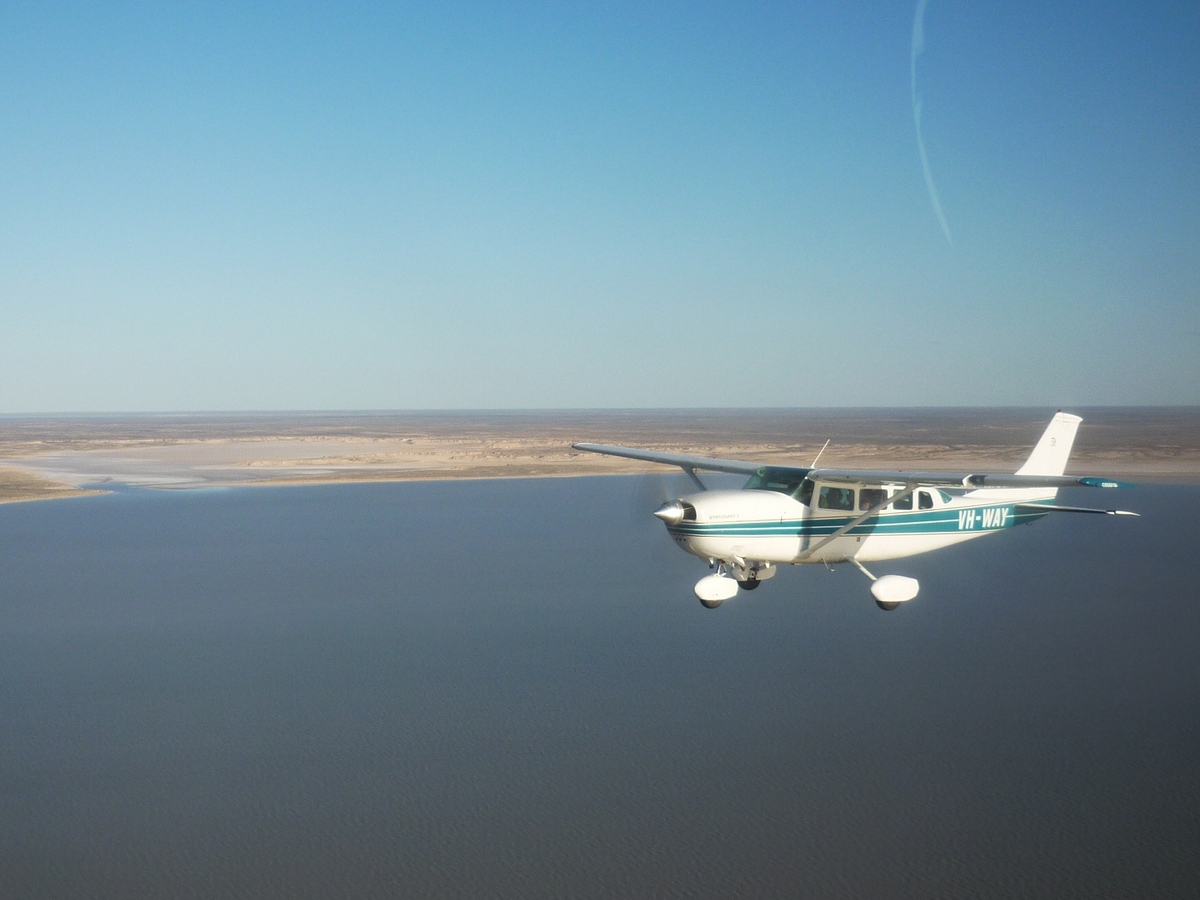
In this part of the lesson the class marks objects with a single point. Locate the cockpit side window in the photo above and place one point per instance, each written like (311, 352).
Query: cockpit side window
(925, 500)
(804, 495)
(904, 503)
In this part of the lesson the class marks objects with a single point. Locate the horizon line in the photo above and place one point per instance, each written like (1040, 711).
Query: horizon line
(517, 410)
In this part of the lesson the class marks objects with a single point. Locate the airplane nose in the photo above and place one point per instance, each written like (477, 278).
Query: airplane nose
(670, 512)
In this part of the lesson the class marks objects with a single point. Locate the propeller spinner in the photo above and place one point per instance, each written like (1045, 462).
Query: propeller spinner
(672, 512)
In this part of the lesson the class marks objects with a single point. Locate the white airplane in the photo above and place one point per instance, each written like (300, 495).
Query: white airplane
(794, 516)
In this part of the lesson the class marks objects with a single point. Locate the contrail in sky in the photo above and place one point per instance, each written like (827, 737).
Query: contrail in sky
(918, 47)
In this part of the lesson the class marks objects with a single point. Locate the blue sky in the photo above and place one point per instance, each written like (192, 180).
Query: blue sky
(277, 206)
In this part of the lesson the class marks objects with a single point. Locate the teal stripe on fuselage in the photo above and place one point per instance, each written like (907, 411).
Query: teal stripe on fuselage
(938, 521)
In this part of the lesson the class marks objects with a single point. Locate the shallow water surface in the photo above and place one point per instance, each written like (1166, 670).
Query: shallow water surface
(507, 688)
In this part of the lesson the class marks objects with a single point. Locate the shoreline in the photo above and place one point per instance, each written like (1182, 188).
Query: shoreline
(71, 457)
(18, 485)
(58, 491)
(47, 489)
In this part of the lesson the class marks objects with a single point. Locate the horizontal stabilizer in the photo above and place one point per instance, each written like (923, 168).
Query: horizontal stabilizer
(1103, 482)
(1044, 507)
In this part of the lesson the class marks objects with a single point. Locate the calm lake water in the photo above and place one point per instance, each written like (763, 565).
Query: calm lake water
(508, 689)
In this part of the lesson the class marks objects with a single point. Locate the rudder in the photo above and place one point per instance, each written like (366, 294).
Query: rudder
(1049, 456)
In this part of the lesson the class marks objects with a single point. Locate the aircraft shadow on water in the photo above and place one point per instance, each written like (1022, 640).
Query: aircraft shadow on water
(795, 516)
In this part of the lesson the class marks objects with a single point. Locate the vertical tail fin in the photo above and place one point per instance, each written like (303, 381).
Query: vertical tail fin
(1050, 455)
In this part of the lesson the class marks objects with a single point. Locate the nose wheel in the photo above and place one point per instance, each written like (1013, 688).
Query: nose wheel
(713, 590)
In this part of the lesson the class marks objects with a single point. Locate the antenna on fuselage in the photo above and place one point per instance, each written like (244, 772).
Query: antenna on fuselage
(818, 456)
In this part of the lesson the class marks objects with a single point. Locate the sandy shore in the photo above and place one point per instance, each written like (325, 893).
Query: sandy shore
(42, 457)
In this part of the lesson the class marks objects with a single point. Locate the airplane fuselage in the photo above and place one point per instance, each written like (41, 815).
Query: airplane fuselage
(770, 527)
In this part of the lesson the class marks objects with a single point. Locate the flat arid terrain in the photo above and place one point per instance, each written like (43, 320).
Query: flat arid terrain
(68, 456)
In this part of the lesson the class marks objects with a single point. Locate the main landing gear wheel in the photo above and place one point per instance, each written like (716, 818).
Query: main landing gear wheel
(890, 590)
(749, 585)
(711, 604)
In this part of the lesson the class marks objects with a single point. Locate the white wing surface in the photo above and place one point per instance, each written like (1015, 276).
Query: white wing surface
(1043, 470)
(695, 463)
(961, 479)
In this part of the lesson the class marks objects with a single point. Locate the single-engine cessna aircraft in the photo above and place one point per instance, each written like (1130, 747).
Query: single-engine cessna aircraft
(793, 516)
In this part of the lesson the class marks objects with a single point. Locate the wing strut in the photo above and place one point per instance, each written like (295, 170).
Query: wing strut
(1049, 507)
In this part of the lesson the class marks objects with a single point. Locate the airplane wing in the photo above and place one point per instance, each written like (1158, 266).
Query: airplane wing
(969, 480)
(701, 463)
(962, 479)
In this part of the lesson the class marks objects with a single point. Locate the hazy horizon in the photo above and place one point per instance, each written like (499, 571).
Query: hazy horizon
(535, 410)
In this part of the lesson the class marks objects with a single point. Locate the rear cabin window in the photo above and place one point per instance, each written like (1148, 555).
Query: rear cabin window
(836, 498)
(925, 500)
(869, 497)
(903, 503)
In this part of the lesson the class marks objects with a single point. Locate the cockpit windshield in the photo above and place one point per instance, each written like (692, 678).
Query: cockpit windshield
(793, 482)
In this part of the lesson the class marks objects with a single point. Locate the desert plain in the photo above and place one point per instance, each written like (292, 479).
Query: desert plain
(65, 456)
